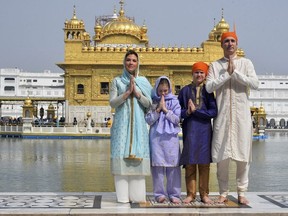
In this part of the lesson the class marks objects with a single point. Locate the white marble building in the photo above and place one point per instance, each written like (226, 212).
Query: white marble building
(15, 83)
(272, 93)
(273, 96)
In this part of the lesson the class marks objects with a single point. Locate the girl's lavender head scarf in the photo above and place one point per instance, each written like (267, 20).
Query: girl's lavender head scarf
(172, 103)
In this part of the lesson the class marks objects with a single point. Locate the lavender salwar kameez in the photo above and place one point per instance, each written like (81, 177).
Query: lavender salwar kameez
(164, 145)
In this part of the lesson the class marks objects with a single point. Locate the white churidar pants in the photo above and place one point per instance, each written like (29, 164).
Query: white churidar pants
(242, 171)
(130, 188)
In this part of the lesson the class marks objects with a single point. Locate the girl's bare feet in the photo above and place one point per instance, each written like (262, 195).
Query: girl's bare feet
(206, 200)
(161, 199)
(188, 199)
(175, 200)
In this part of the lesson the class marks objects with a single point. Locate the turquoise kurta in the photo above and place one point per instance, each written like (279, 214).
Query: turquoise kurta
(129, 127)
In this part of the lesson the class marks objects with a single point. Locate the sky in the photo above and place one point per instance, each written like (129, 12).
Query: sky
(32, 36)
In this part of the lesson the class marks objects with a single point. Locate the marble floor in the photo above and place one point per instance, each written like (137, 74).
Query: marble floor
(88, 203)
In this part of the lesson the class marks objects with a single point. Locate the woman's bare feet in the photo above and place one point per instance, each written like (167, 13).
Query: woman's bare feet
(206, 200)
(221, 199)
(242, 200)
(188, 199)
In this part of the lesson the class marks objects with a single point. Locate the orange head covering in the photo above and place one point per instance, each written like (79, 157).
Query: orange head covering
(228, 34)
(200, 66)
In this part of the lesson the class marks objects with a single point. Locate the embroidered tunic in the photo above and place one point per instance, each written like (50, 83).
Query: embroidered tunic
(197, 128)
(232, 137)
(129, 132)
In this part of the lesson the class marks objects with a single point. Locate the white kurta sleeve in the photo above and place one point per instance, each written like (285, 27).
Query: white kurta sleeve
(248, 77)
(216, 79)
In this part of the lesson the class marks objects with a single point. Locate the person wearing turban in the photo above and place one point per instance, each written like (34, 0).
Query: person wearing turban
(230, 78)
(198, 107)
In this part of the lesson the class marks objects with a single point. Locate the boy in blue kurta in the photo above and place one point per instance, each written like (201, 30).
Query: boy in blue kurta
(198, 107)
(164, 118)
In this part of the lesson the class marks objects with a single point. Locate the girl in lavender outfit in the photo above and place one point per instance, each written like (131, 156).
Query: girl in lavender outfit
(164, 118)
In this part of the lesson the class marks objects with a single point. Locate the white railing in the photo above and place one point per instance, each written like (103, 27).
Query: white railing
(11, 128)
(55, 130)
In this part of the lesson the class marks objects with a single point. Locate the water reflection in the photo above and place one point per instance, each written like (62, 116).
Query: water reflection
(54, 165)
(269, 169)
(84, 165)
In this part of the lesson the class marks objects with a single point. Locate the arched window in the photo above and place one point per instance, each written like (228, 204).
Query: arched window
(80, 89)
(27, 113)
(177, 89)
(262, 122)
(272, 123)
(282, 123)
(104, 88)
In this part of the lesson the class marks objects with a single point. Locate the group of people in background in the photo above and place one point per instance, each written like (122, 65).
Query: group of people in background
(214, 113)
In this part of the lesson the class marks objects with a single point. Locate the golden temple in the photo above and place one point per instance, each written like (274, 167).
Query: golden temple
(90, 63)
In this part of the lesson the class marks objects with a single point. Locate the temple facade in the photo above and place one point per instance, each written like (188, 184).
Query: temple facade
(91, 62)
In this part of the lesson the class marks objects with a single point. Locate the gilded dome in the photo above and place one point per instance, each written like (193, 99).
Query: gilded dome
(211, 35)
(144, 28)
(74, 21)
(121, 25)
(50, 107)
(98, 28)
(261, 110)
(28, 102)
(222, 26)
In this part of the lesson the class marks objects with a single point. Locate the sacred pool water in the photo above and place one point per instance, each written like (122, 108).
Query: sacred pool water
(61, 165)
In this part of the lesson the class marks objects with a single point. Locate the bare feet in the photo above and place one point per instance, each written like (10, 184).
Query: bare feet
(242, 200)
(206, 200)
(221, 199)
(188, 199)
(175, 200)
(161, 199)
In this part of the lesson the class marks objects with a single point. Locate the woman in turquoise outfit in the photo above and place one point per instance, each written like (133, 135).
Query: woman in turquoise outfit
(130, 95)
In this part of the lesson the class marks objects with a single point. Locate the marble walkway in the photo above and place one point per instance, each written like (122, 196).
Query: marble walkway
(88, 203)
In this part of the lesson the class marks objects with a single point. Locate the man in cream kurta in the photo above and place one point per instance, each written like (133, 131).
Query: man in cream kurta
(231, 77)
